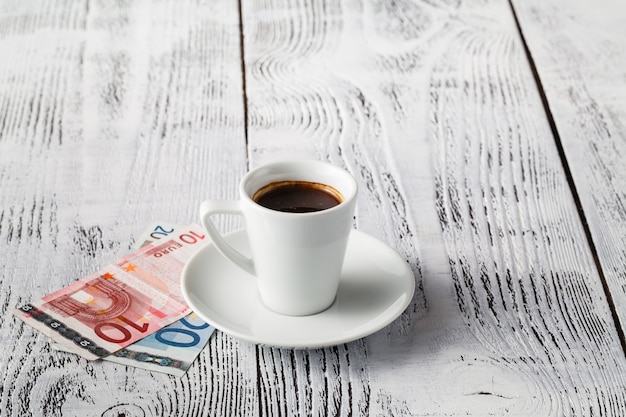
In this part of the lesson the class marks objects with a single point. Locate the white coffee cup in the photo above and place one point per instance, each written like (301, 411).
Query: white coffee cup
(296, 257)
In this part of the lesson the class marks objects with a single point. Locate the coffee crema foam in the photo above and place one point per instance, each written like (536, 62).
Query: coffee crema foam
(297, 196)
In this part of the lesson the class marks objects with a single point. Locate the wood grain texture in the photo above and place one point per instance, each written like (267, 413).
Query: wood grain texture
(581, 60)
(525, 281)
(433, 107)
(112, 115)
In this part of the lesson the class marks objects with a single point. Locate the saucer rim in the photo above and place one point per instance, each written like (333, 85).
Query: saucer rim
(326, 342)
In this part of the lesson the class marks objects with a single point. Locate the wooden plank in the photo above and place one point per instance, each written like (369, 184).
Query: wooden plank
(579, 52)
(112, 115)
(433, 107)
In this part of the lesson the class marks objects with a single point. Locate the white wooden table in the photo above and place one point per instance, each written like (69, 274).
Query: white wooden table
(487, 137)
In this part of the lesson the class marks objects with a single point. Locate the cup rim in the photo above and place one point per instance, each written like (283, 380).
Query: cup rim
(274, 168)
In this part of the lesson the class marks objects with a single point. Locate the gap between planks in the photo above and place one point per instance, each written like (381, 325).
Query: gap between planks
(570, 180)
(243, 83)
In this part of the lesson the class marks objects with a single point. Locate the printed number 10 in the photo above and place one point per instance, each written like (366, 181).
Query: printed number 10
(126, 335)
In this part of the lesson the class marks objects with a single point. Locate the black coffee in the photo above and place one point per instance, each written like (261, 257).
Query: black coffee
(297, 196)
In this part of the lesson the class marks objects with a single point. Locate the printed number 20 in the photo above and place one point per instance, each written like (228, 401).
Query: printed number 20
(159, 230)
(195, 338)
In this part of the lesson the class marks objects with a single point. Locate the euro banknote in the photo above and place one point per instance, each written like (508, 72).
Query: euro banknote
(174, 348)
(121, 303)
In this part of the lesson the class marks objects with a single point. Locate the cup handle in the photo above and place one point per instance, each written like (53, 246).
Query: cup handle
(211, 207)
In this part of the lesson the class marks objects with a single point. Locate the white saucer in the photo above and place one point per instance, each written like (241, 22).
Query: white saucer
(375, 288)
